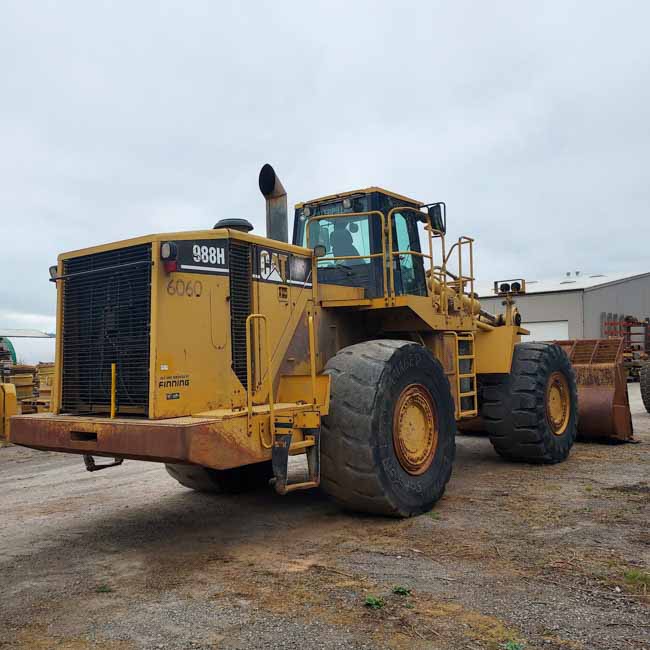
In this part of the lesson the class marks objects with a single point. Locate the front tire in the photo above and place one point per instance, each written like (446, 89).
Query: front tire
(532, 413)
(388, 443)
(222, 481)
(644, 382)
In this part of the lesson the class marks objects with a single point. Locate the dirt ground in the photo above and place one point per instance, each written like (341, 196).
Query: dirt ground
(513, 557)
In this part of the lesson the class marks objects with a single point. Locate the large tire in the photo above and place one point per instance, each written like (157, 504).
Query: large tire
(517, 412)
(372, 384)
(644, 382)
(222, 481)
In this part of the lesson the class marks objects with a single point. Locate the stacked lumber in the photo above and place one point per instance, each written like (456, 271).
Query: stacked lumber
(44, 381)
(22, 377)
(38, 401)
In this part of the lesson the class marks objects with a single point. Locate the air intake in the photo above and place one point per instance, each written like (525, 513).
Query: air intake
(239, 256)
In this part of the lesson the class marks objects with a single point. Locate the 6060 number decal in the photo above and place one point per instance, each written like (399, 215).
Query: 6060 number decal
(189, 288)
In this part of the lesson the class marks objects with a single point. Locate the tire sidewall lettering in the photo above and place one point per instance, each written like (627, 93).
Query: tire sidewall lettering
(410, 367)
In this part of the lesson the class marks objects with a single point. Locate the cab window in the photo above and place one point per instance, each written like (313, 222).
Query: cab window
(343, 237)
(408, 269)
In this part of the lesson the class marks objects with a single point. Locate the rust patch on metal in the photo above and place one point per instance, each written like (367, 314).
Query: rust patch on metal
(204, 441)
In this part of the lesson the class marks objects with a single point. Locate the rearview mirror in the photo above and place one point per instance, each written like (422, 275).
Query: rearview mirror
(438, 216)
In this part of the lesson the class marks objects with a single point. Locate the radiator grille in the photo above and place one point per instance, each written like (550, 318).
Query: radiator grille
(106, 320)
(240, 304)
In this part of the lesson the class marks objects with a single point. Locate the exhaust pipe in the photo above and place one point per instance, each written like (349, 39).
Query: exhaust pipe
(276, 204)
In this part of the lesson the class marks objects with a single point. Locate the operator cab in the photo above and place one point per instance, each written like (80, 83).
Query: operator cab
(354, 246)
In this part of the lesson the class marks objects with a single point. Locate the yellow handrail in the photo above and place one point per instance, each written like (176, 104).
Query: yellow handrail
(113, 388)
(312, 357)
(249, 379)
(439, 273)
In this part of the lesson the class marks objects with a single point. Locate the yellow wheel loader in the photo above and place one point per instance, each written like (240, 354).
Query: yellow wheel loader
(222, 353)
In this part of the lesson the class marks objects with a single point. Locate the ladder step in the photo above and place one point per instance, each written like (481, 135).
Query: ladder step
(304, 444)
(282, 447)
(465, 356)
(290, 487)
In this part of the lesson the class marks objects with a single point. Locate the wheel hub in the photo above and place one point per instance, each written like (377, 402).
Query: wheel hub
(558, 403)
(415, 429)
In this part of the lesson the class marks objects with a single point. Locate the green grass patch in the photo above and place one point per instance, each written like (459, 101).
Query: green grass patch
(104, 589)
(374, 602)
(637, 578)
(513, 645)
(402, 591)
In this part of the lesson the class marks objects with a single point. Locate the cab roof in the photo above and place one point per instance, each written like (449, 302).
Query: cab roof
(367, 190)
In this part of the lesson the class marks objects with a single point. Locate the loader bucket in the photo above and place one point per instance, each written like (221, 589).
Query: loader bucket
(603, 405)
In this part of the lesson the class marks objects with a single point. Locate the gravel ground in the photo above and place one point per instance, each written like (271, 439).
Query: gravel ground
(537, 557)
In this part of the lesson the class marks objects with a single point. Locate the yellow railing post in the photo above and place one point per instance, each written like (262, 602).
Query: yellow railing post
(113, 388)
(269, 378)
(312, 357)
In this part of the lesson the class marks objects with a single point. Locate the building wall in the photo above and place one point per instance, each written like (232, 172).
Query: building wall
(565, 305)
(629, 297)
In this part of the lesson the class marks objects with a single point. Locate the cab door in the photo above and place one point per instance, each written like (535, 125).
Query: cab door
(408, 264)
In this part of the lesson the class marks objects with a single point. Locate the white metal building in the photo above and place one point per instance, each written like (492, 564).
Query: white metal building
(577, 306)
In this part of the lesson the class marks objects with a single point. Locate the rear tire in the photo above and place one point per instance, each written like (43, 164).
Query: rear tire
(644, 382)
(388, 443)
(222, 481)
(532, 413)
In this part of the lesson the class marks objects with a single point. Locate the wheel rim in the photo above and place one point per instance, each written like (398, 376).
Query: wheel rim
(415, 429)
(558, 403)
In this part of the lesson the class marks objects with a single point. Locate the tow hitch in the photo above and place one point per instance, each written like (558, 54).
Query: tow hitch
(92, 466)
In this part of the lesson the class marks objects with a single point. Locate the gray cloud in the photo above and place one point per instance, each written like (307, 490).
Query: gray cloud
(529, 119)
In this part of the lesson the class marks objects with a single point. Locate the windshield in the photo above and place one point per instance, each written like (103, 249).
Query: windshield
(346, 237)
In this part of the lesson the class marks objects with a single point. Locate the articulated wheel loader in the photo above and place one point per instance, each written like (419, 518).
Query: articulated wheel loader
(222, 353)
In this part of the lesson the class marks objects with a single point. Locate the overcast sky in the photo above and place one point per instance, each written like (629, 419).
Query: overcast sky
(530, 119)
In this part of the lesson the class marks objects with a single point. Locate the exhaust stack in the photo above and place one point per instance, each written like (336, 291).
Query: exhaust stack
(276, 204)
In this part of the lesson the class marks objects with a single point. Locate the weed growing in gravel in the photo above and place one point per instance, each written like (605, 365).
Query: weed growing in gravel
(104, 589)
(637, 578)
(374, 602)
(402, 591)
(434, 515)
(512, 645)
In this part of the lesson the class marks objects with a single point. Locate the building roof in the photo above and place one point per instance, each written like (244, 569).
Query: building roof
(24, 334)
(572, 282)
